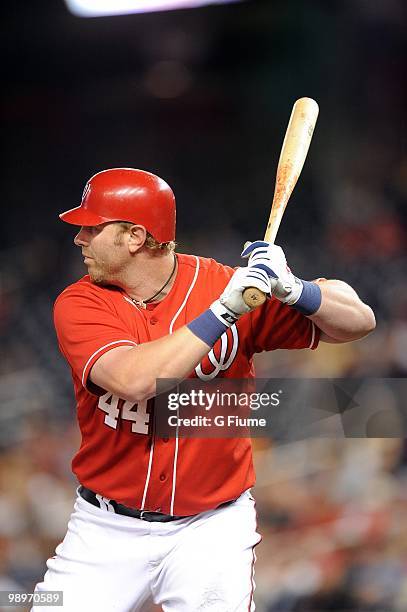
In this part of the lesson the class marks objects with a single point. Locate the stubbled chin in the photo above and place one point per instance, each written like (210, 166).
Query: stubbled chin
(99, 275)
(98, 280)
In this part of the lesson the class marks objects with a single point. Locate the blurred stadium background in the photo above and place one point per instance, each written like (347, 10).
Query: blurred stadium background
(202, 97)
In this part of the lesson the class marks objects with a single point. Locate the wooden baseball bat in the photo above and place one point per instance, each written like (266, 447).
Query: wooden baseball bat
(292, 157)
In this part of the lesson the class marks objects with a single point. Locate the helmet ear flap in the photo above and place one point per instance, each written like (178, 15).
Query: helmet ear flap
(127, 194)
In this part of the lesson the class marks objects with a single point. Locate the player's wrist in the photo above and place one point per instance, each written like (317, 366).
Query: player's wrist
(306, 298)
(212, 323)
(288, 290)
(223, 313)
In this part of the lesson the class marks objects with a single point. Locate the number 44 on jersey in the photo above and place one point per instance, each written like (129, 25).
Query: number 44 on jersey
(116, 408)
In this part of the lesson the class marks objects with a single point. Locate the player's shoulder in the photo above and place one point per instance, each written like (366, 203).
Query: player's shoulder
(205, 265)
(84, 289)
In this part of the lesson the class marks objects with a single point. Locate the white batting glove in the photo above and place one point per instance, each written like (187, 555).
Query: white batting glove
(271, 259)
(230, 306)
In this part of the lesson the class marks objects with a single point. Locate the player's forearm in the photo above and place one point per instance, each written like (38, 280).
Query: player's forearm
(342, 315)
(170, 357)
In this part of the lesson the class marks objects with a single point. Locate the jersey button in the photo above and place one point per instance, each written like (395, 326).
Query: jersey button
(165, 439)
(153, 320)
(163, 477)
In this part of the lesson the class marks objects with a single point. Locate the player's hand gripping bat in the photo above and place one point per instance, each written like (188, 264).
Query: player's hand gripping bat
(292, 157)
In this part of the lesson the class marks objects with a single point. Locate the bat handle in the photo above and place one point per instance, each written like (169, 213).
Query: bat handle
(253, 297)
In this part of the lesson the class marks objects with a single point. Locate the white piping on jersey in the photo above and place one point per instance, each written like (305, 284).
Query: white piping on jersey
(150, 461)
(174, 468)
(313, 334)
(130, 301)
(101, 349)
(187, 295)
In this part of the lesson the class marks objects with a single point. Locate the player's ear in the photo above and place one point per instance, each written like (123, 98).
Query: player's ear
(136, 238)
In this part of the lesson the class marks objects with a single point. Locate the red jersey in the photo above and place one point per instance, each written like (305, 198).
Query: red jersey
(117, 458)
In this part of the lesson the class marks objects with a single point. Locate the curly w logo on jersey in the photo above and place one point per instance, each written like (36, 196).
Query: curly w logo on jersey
(221, 357)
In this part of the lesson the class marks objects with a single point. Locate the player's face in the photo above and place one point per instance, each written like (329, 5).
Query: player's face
(105, 252)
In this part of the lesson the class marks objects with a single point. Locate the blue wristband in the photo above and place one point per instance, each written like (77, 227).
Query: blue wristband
(310, 299)
(207, 327)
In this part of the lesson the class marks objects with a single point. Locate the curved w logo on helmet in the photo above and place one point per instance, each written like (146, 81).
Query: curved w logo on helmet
(86, 191)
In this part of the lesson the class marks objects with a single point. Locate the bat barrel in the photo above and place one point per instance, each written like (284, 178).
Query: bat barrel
(292, 157)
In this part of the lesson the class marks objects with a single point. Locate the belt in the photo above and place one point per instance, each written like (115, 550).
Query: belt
(111, 505)
(104, 503)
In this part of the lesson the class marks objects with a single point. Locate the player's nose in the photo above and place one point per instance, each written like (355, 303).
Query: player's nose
(81, 238)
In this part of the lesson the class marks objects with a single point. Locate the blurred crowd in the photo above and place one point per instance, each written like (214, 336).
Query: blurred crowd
(333, 517)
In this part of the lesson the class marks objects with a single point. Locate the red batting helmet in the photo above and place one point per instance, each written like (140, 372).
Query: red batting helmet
(126, 194)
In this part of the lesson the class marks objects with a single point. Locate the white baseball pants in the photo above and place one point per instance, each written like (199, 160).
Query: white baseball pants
(113, 563)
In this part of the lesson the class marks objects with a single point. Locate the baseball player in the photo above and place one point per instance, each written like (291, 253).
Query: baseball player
(169, 521)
